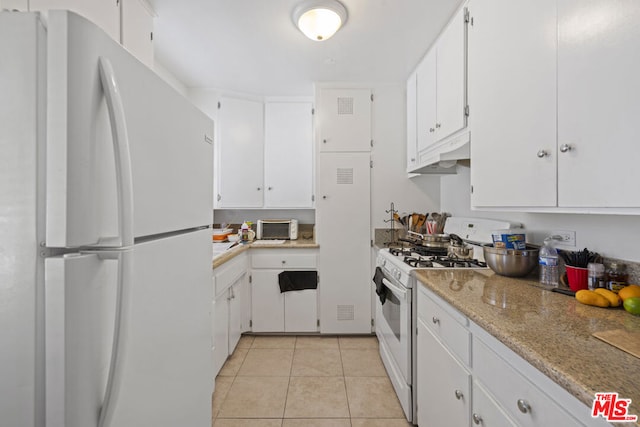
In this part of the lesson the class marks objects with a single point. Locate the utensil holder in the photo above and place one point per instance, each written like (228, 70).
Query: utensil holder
(577, 278)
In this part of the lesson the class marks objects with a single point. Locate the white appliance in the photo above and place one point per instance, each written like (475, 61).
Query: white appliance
(270, 229)
(105, 250)
(396, 318)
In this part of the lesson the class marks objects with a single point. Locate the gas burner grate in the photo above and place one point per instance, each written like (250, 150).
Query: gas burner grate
(400, 251)
(417, 262)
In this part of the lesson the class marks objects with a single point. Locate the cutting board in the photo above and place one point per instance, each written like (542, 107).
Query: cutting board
(624, 340)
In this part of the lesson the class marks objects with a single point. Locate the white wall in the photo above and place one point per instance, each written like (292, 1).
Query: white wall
(389, 182)
(613, 236)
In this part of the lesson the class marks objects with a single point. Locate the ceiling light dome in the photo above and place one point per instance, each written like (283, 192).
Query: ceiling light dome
(319, 19)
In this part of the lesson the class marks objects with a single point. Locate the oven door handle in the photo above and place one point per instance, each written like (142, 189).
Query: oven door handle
(401, 293)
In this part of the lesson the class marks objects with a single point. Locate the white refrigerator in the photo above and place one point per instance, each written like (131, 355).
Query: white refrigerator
(105, 240)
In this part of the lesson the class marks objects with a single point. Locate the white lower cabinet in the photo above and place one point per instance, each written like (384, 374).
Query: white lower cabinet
(275, 311)
(230, 307)
(495, 388)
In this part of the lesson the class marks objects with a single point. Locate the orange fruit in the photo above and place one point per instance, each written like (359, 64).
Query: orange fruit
(629, 292)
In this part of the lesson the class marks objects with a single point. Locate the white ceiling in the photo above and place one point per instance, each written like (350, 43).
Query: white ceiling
(252, 46)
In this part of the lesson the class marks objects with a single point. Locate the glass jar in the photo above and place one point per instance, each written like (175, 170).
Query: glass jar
(596, 276)
(617, 276)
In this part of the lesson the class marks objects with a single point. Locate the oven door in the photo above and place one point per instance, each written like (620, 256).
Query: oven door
(393, 325)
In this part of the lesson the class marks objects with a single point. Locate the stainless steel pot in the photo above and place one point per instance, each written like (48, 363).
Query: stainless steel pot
(440, 241)
(458, 248)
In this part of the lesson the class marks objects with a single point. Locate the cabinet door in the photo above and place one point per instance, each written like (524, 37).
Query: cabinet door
(450, 77)
(512, 97)
(240, 154)
(105, 14)
(342, 210)
(444, 385)
(137, 30)
(237, 294)
(487, 411)
(426, 101)
(412, 130)
(288, 155)
(21, 5)
(598, 109)
(220, 331)
(267, 303)
(301, 311)
(344, 117)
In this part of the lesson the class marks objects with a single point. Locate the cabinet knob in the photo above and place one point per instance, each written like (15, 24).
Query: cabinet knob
(413, 159)
(324, 197)
(477, 419)
(259, 188)
(542, 154)
(438, 125)
(269, 188)
(435, 320)
(565, 147)
(458, 394)
(324, 141)
(523, 406)
(431, 130)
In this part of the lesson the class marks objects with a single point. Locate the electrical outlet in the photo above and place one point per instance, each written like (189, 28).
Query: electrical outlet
(568, 238)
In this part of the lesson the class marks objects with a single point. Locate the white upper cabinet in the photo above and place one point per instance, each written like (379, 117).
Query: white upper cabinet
(104, 13)
(554, 105)
(512, 94)
(21, 5)
(346, 120)
(598, 108)
(440, 96)
(137, 30)
(240, 157)
(288, 155)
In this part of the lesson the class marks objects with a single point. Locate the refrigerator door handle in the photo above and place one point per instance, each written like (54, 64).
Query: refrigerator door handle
(118, 350)
(122, 156)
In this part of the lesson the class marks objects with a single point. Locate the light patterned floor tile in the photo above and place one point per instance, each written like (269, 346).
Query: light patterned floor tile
(369, 422)
(372, 397)
(245, 341)
(269, 362)
(358, 342)
(362, 363)
(316, 397)
(223, 385)
(317, 422)
(317, 342)
(274, 342)
(309, 362)
(255, 397)
(233, 363)
(247, 422)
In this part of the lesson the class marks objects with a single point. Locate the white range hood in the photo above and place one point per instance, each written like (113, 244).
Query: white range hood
(441, 158)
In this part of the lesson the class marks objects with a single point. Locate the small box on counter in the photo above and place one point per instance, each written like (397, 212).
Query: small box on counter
(509, 239)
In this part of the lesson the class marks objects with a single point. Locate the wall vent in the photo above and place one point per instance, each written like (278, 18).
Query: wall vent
(345, 106)
(344, 176)
(345, 312)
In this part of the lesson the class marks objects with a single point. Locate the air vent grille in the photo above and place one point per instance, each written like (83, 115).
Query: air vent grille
(344, 176)
(345, 106)
(345, 312)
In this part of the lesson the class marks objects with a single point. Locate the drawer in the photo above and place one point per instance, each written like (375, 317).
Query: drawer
(520, 399)
(280, 260)
(227, 274)
(446, 323)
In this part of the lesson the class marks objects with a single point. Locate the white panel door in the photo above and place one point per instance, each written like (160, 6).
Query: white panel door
(426, 101)
(288, 155)
(137, 30)
(220, 331)
(105, 14)
(450, 76)
(237, 294)
(512, 97)
(267, 303)
(241, 153)
(344, 120)
(301, 311)
(169, 141)
(168, 370)
(343, 233)
(598, 109)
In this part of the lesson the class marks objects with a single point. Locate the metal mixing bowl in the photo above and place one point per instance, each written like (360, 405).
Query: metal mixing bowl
(511, 262)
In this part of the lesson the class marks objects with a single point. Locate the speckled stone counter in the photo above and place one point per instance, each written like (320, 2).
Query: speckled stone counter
(550, 330)
(225, 256)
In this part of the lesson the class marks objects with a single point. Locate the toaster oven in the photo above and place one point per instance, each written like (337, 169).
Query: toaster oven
(277, 229)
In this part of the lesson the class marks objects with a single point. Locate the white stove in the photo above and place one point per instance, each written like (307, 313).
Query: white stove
(396, 309)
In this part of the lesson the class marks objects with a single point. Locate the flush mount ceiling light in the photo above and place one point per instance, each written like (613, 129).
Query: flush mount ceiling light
(319, 19)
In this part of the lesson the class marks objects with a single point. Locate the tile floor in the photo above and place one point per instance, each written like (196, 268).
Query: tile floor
(305, 381)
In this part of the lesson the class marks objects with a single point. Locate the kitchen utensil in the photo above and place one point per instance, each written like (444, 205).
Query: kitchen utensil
(458, 248)
(511, 262)
(580, 258)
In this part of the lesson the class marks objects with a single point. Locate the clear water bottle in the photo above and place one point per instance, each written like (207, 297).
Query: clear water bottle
(548, 261)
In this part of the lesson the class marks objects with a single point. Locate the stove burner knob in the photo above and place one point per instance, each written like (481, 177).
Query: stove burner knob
(384, 262)
(398, 274)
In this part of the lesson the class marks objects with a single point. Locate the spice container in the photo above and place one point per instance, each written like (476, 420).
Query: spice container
(617, 276)
(596, 276)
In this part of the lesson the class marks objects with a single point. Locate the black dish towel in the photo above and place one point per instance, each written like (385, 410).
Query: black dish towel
(381, 289)
(297, 280)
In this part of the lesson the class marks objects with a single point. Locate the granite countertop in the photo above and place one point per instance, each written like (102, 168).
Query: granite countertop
(220, 258)
(551, 331)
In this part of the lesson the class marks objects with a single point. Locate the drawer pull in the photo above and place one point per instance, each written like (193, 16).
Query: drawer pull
(435, 320)
(523, 406)
(458, 394)
(476, 419)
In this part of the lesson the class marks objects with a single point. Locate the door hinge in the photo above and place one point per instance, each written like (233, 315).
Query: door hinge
(313, 111)
(372, 142)
(250, 279)
(250, 323)
(219, 105)
(151, 35)
(313, 198)
(371, 242)
(318, 322)
(371, 97)
(466, 111)
(472, 189)
(219, 197)
(373, 323)
(466, 15)
(371, 164)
